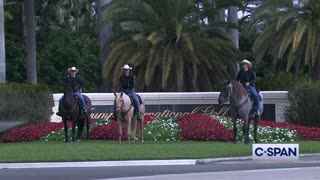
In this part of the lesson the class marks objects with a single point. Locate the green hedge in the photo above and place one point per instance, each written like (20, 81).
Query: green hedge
(304, 108)
(25, 102)
(275, 82)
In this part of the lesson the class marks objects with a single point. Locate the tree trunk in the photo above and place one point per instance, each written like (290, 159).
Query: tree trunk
(221, 17)
(30, 41)
(233, 32)
(296, 69)
(315, 70)
(104, 34)
(2, 47)
(233, 19)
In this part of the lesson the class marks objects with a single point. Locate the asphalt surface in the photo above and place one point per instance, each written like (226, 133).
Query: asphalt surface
(307, 167)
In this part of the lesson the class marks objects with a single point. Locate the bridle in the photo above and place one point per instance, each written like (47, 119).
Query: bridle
(231, 98)
(120, 107)
(73, 107)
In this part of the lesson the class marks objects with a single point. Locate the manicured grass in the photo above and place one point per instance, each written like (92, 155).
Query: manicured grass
(111, 150)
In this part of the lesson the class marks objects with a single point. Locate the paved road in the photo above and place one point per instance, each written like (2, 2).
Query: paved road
(308, 167)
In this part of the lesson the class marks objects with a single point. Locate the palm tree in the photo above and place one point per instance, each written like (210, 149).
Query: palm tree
(291, 30)
(105, 32)
(170, 44)
(72, 15)
(2, 47)
(30, 39)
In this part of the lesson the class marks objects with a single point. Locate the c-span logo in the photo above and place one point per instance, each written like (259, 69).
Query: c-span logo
(275, 151)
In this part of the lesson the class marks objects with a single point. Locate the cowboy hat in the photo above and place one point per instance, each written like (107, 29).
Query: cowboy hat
(73, 69)
(246, 62)
(126, 66)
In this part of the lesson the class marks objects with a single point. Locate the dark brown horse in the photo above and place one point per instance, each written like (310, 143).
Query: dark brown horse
(71, 111)
(241, 107)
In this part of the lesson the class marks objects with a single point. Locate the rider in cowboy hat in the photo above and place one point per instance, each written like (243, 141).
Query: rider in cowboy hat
(77, 86)
(127, 85)
(247, 77)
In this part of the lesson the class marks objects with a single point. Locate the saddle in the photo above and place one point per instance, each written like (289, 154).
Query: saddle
(131, 99)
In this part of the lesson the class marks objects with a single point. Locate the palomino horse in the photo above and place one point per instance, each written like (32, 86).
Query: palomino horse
(71, 111)
(241, 107)
(125, 113)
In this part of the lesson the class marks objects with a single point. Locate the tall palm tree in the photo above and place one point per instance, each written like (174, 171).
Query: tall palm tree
(105, 32)
(30, 39)
(2, 47)
(291, 30)
(170, 45)
(72, 15)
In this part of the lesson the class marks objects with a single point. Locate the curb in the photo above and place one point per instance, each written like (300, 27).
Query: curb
(97, 164)
(212, 160)
(127, 163)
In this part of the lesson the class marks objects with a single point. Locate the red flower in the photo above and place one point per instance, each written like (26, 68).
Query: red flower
(200, 127)
(31, 132)
(304, 132)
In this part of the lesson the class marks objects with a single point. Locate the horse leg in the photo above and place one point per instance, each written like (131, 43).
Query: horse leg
(256, 121)
(73, 131)
(80, 125)
(120, 130)
(141, 126)
(133, 128)
(65, 131)
(88, 126)
(234, 122)
(246, 130)
(129, 130)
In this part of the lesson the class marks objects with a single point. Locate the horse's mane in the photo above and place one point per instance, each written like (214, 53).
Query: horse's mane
(125, 97)
(238, 89)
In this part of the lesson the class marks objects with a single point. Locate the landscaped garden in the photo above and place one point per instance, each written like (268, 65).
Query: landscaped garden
(194, 127)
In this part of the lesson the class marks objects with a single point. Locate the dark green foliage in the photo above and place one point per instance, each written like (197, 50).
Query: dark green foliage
(15, 59)
(275, 82)
(304, 106)
(25, 102)
(65, 50)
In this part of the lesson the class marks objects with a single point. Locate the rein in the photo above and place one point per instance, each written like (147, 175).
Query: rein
(72, 109)
(240, 105)
(121, 108)
(232, 101)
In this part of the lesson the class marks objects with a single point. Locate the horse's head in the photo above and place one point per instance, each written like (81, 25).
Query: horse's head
(68, 90)
(226, 92)
(118, 102)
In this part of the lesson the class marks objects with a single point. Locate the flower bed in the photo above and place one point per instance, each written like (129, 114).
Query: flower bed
(31, 132)
(196, 127)
(203, 128)
(305, 133)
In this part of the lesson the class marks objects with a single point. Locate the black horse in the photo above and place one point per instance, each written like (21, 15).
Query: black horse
(71, 111)
(241, 107)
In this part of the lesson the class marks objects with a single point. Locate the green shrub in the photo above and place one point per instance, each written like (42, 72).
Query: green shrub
(25, 102)
(15, 60)
(274, 82)
(304, 106)
(67, 49)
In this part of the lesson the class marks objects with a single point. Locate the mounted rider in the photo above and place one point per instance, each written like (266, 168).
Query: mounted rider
(77, 85)
(247, 77)
(127, 85)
